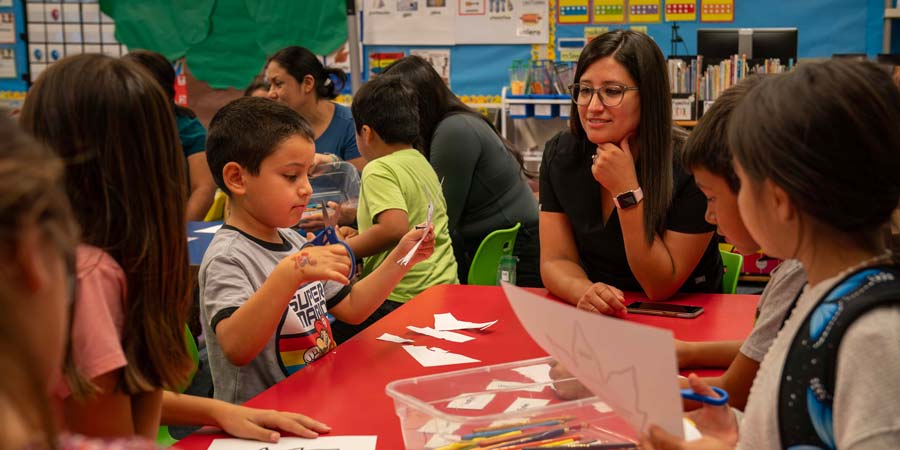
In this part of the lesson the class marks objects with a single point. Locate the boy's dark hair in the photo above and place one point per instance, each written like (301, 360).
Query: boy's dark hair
(388, 105)
(247, 131)
(707, 146)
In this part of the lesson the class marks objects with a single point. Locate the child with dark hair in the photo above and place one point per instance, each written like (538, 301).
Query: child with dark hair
(397, 186)
(264, 293)
(818, 183)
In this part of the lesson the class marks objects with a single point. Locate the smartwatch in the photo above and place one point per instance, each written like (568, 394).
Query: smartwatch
(628, 199)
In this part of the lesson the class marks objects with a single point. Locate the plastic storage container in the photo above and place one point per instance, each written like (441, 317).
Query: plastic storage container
(439, 410)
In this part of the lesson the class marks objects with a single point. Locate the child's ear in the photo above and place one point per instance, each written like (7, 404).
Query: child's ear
(30, 259)
(785, 210)
(368, 135)
(233, 176)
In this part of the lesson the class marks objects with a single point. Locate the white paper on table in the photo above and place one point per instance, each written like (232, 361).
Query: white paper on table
(439, 426)
(445, 335)
(391, 338)
(540, 373)
(498, 385)
(210, 230)
(432, 357)
(293, 443)
(446, 322)
(471, 401)
(629, 366)
(523, 403)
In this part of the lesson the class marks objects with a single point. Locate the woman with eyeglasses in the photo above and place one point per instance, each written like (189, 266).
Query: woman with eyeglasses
(618, 212)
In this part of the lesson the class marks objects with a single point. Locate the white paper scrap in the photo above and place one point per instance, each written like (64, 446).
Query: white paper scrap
(471, 401)
(634, 376)
(438, 426)
(540, 373)
(192, 238)
(602, 407)
(210, 230)
(391, 338)
(293, 443)
(446, 322)
(523, 403)
(497, 385)
(445, 335)
(432, 357)
(691, 433)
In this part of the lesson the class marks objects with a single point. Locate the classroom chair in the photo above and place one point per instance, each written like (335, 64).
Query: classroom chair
(163, 437)
(733, 263)
(217, 210)
(483, 271)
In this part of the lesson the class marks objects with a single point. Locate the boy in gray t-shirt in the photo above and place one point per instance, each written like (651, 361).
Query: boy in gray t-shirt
(263, 297)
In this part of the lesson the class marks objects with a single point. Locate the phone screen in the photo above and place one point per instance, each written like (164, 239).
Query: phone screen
(667, 307)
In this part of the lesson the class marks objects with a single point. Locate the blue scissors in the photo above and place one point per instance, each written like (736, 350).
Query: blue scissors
(716, 401)
(328, 236)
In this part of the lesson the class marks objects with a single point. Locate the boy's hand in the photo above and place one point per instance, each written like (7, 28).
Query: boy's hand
(345, 233)
(329, 262)
(259, 424)
(409, 240)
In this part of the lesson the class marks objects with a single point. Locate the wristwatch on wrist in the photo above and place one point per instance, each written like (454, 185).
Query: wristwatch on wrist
(628, 199)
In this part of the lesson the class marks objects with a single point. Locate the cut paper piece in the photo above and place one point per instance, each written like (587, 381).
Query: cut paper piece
(522, 403)
(602, 407)
(294, 443)
(691, 433)
(210, 230)
(446, 322)
(634, 376)
(439, 426)
(192, 238)
(440, 440)
(497, 385)
(539, 373)
(404, 261)
(471, 401)
(391, 338)
(432, 357)
(510, 422)
(445, 335)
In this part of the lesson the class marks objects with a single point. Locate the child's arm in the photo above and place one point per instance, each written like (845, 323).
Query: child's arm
(110, 413)
(370, 292)
(388, 228)
(706, 354)
(736, 380)
(245, 333)
(236, 420)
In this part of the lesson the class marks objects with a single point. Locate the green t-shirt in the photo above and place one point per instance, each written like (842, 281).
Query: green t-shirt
(399, 181)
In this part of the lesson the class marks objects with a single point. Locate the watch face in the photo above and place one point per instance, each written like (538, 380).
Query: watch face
(626, 200)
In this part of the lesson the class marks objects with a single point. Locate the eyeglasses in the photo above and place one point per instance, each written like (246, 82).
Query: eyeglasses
(611, 95)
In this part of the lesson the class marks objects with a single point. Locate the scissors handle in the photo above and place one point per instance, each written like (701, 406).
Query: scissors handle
(329, 236)
(716, 401)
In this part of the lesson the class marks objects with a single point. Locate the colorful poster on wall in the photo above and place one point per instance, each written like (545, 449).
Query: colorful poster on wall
(591, 32)
(379, 60)
(609, 11)
(573, 11)
(717, 10)
(504, 22)
(439, 58)
(8, 63)
(681, 10)
(644, 11)
(7, 28)
(402, 22)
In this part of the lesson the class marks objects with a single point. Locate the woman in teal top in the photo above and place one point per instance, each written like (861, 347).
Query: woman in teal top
(299, 80)
(484, 179)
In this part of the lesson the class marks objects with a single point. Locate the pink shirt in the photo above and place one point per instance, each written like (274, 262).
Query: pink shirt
(99, 315)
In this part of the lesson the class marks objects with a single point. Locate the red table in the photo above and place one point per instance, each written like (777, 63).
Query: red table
(345, 388)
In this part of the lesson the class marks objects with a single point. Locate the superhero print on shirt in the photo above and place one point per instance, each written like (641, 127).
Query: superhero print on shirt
(304, 333)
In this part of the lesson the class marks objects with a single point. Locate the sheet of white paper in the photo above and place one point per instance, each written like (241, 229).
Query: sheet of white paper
(432, 357)
(471, 401)
(522, 403)
(404, 261)
(445, 335)
(498, 385)
(540, 373)
(628, 365)
(446, 322)
(210, 230)
(192, 238)
(391, 338)
(293, 443)
(439, 426)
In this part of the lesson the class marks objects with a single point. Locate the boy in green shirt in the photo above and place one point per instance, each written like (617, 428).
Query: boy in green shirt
(396, 187)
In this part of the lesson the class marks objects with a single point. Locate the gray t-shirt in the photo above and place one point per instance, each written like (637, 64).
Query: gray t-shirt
(866, 410)
(778, 297)
(234, 266)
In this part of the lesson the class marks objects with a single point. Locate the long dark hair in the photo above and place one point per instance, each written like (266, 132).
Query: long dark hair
(300, 62)
(828, 135)
(162, 70)
(113, 125)
(437, 102)
(643, 60)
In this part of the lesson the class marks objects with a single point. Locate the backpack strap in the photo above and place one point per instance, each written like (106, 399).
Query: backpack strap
(806, 395)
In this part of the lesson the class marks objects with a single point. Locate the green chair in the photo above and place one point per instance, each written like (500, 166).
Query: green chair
(733, 263)
(483, 271)
(163, 437)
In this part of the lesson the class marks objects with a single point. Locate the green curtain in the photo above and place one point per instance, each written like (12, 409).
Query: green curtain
(226, 42)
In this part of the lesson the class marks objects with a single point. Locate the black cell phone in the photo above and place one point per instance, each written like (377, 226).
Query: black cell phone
(665, 309)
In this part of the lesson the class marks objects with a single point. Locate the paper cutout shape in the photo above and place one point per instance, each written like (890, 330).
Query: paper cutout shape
(433, 356)
(445, 335)
(387, 337)
(447, 322)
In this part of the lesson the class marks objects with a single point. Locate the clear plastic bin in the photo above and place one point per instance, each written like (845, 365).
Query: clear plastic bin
(438, 410)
